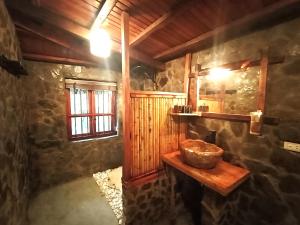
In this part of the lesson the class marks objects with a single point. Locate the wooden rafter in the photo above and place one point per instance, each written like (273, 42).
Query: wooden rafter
(103, 13)
(71, 27)
(55, 36)
(162, 21)
(56, 59)
(237, 25)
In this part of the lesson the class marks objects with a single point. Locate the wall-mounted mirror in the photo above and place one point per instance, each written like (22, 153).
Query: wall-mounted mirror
(234, 90)
(229, 92)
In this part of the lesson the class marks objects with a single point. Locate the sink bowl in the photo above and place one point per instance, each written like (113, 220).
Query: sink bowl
(200, 154)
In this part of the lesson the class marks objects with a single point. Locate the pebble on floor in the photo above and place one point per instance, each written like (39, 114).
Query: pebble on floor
(110, 184)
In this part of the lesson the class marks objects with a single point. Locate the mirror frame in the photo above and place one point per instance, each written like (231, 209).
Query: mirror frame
(263, 62)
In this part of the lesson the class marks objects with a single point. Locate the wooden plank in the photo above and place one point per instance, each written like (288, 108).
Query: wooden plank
(145, 178)
(154, 131)
(132, 131)
(141, 137)
(103, 13)
(156, 134)
(224, 178)
(212, 115)
(146, 135)
(126, 96)
(44, 15)
(157, 24)
(55, 36)
(162, 21)
(238, 25)
(75, 29)
(224, 116)
(135, 136)
(193, 93)
(241, 64)
(187, 71)
(67, 9)
(262, 84)
(56, 59)
(151, 133)
(156, 94)
(185, 114)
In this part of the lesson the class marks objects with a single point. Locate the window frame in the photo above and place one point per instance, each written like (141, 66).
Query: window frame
(91, 87)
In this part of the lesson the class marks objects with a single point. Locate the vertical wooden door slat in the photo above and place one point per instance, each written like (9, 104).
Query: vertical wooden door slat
(153, 131)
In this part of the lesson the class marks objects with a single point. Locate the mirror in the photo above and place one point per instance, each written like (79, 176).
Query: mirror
(229, 91)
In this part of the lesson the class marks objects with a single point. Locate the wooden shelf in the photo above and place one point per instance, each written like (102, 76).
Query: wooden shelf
(224, 178)
(224, 116)
(185, 114)
(220, 116)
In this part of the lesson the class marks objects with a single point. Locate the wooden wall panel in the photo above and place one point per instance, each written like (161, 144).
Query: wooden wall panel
(153, 130)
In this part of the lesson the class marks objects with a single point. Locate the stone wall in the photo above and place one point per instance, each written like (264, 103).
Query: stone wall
(171, 79)
(151, 201)
(272, 194)
(55, 159)
(142, 78)
(146, 203)
(13, 149)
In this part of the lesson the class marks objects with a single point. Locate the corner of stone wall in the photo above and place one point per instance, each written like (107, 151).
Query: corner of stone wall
(14, 171)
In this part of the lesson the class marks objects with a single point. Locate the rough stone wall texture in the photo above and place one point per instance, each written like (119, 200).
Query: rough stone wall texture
(147, 203)
(272, 194)
(14, 174)
(142, 78)
(55, 159)
(172, 78)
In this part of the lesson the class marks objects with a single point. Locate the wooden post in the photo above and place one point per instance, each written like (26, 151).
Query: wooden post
(187, 72)
(262, 86)
(126, 95)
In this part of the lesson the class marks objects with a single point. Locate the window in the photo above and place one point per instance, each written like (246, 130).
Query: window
(91, 109)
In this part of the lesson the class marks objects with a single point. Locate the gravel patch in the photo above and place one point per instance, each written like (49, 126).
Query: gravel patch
(109, 182)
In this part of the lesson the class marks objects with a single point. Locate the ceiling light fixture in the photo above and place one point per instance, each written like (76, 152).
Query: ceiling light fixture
(100, 43)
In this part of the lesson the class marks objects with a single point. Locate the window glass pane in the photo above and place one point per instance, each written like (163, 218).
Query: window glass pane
(84, 102)
(103, 101)
(109, 122)
(80, 125)
(106, 102)
(99, 124)
(96, 102)
(79, 101)
(106, 123)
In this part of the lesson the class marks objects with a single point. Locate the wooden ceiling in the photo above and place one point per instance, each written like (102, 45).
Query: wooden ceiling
(159, 30)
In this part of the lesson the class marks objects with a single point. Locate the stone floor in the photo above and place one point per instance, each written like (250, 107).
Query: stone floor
(79, 202)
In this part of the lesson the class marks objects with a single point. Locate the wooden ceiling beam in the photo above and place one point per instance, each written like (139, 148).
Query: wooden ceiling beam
(103, 13)
(57, 59)
(46, 16)
(51, 34)
(58, 37)
(243, 24)
(162, 21)
(71, 27)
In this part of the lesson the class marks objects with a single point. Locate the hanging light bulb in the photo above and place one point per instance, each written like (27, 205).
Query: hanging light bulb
(218, 74)
(100, 43)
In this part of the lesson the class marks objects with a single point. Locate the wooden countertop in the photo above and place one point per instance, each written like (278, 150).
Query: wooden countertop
(224, 178)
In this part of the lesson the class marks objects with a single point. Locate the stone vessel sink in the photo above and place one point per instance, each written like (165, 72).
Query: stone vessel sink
(200, 154)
